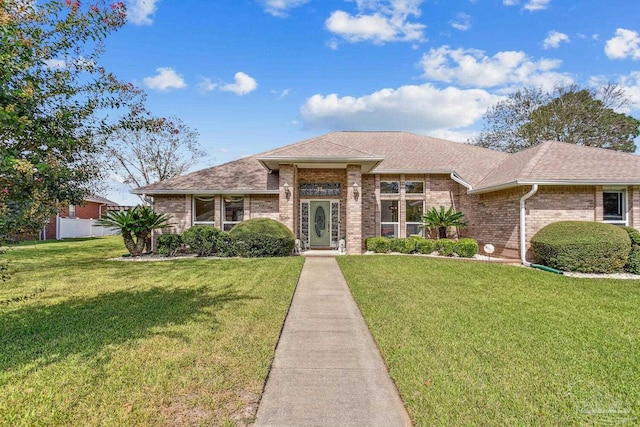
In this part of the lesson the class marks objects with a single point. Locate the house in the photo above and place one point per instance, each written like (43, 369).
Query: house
(76, 220)
(355, 185)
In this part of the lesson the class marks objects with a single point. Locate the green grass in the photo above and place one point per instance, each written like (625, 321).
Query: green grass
(98, 342)
(482, 344)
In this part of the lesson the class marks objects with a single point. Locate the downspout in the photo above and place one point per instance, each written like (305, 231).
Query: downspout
(523, 225)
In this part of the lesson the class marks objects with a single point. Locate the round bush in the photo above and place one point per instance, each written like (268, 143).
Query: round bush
(587, 247)
(446, 247)
(202, 239)
(426, 246)
(379, 245)
(168, 244)
(262, 237)
(403, 246)
(466, 248)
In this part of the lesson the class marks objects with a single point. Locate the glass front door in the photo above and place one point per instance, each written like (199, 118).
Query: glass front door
(320, 223)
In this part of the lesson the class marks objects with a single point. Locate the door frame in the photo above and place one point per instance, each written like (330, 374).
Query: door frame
(334, 226)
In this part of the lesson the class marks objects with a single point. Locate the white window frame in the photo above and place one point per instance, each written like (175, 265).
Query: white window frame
(623, 199)
(204, 198)
(395, 223)
(223, 210)
(72, 211)
(390, 182)
(407, 222)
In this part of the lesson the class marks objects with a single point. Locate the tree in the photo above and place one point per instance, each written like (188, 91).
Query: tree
(570, 114)
(144, 149)
(135, 225)
(54, 96)
(442, 220)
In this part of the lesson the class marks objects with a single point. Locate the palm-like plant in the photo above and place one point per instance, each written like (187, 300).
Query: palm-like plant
(442, 220)
(135, 225)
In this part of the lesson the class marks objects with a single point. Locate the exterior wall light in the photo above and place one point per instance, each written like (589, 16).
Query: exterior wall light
(356, 191)
(287, 192)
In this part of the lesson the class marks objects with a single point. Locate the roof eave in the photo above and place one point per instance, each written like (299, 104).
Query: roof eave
(204, 191)
(578, 182)
(273, 163)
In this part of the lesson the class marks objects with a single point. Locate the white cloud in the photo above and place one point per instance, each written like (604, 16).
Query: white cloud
(462, 22)
(281, 8)
(206, 84)
(378, 21)
(243, 84)
(423, 108)
(166, 78)
(471, 67)
(140, 12)
(626, 44)
(554, 38)
(281, 93)
(530, 5)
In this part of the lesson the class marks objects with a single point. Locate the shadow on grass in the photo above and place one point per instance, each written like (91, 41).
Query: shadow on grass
(42, 335)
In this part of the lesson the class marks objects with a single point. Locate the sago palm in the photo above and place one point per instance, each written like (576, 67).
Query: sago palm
(135, 225)
(442, 220)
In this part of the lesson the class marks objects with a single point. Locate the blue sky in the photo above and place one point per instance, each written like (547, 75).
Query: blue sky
(251, 75)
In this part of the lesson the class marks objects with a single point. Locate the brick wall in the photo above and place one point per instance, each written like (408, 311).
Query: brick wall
(634, 206)
(262, 206)
(370, 214)
(354, 210)
(177, 205)
(286, 205)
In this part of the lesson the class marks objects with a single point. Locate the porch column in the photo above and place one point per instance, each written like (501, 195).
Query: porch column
(354, 210)
(286, 200)
(634, 201)
(599, 211)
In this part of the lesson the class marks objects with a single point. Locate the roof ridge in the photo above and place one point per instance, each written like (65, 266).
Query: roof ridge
(295, 144)
(543, 147)
(352, 148)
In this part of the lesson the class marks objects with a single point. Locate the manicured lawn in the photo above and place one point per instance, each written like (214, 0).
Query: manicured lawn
(100, 342)
(481, 344)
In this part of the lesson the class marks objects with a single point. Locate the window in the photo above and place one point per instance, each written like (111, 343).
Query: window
(389, 218)
(72, 211)
(389, 187)
(614, 206)
(233, 212)
(414, 211)
(203, 210)
(414, 187)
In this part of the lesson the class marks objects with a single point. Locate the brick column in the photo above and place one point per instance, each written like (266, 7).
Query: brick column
(599, 211)
(354, 210)
(286, 207)
(634, 208)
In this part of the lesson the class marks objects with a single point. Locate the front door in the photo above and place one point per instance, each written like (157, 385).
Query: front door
(320, 233)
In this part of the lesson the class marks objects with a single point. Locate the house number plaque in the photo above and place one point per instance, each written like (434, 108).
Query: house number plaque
(320, 189)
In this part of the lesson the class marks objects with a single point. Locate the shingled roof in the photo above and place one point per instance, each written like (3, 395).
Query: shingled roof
(403, 152)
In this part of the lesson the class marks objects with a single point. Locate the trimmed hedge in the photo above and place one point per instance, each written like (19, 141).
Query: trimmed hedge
(426, 246)
(446, 247)
(466, 248)
(587, 247)
(202, 239)
(262, 237)
(168, 244)
(379, 245)
(404, 246)
(633, 260)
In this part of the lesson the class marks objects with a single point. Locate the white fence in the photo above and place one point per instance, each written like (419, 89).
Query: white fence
(74, 227)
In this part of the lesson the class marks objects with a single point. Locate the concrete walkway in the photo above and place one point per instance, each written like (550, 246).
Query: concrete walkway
(327, 370)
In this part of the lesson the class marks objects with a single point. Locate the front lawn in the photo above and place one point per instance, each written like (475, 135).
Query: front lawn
(471, 343)
(98, 342)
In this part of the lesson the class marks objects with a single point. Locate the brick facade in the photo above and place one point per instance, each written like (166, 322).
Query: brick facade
(491, 217)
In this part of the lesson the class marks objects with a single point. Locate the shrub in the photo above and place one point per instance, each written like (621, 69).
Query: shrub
(634, 235)
(226, 246)
(202, 239)
(426, 246)
(633, 261)
(587, 247)
(168, 244)
(379, 245)
(445, 247)
(403, 246)
(466, 248)
(262, 237)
